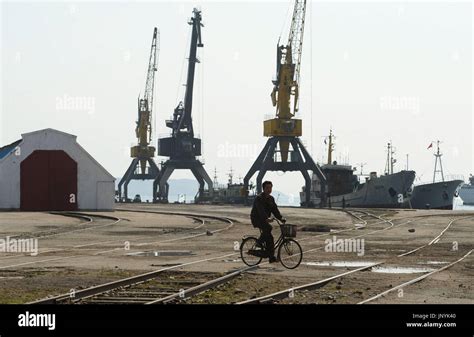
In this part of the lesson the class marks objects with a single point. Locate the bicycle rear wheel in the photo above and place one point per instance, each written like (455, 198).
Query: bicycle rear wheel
(290, 253)
(249, 247)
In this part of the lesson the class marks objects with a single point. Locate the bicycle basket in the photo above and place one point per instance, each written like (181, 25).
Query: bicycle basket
(288, 230)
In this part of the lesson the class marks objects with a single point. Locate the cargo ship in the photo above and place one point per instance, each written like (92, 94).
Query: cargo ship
(391, 190)
(438, 194)
(232, 193)
(466, 192)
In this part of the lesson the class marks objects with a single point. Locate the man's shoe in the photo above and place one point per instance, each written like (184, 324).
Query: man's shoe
(273, 259)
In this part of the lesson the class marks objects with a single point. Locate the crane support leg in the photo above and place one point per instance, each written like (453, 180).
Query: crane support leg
(126, 179)
(199, 179)
(162, 181)
(312, 166)
(161, 186)
(202, 176)
(268, 150)
(300, 160)
(130, 174)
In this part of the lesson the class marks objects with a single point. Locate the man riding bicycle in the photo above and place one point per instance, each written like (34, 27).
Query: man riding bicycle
(263, 206)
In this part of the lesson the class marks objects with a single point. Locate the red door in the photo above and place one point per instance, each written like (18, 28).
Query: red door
(48, 182)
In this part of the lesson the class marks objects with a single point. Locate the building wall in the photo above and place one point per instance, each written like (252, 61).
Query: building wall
(96, 187)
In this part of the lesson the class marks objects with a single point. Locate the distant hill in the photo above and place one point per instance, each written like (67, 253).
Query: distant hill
(188, 188)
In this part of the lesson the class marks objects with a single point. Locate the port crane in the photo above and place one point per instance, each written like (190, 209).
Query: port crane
(143, 152)
(284, 129)
(182, 147)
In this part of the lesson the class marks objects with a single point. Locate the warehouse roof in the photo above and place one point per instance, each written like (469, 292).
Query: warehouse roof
(7, 149)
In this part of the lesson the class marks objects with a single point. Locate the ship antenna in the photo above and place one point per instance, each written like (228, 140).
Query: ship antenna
(438, 157)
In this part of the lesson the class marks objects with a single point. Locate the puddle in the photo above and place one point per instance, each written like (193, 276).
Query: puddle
(316, 228)
(379, 269)
(165, 264)
(163, 253)
(11, 277)
(340, 263)
(433, 262)
(232, 260)
(401, 270)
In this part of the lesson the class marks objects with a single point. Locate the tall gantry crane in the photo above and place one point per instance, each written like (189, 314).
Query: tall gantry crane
(182, 147)
(285, 129)
(143, 153)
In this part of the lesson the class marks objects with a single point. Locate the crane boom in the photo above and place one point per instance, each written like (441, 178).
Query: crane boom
(182, 116)
(295, 40)
(287, 80)
(285, 91)
(145, 104)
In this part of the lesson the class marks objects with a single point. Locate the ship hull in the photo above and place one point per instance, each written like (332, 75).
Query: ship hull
(466, 193)
(437, 195)
(388, 191)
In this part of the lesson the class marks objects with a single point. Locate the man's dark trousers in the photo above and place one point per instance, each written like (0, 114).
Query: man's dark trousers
(267, 237)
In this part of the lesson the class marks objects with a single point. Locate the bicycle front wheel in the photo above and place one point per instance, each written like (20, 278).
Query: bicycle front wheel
(290, 253)
(247, 250)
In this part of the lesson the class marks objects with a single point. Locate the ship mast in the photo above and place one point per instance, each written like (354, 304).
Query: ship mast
(215, 182)
(438, 157)
(387, 165)
(390, 160)
(361, 168)
(231, 176)
(330, 147)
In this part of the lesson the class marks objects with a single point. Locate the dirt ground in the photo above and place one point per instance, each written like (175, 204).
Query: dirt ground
(74, 254)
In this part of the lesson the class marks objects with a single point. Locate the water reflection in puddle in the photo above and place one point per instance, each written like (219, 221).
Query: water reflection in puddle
(378, 269)
(162, 253)
(340, 263)
(401, 270)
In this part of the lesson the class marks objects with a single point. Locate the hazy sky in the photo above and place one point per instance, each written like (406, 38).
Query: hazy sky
(373, 71)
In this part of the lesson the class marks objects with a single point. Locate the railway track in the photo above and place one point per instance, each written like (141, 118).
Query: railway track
(140, 289)
(128, 290)
(42, 235)
(276, 296)
(90, 219)
(83, 226)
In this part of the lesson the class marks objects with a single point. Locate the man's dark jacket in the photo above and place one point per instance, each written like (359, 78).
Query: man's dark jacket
(263, 207)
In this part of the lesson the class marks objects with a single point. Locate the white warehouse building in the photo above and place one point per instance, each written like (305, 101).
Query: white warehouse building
(48, 170)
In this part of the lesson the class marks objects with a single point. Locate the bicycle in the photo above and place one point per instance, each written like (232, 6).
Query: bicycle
(289, 250)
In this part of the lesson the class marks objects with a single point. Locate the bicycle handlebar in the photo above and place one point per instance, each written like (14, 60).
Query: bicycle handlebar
(278, 221)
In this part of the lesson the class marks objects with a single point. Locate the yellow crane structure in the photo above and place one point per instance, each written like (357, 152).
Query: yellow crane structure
(284, 129)
(143, 152)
